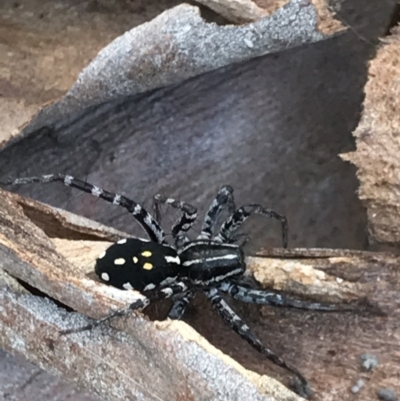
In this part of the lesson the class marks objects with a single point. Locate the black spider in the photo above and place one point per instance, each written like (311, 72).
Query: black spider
(211, 263)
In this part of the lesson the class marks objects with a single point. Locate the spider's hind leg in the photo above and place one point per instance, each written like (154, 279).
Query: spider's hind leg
(241, 328)
(153, 229)
(186, 221)
(263, 297)
(233, 223)
(224, 199)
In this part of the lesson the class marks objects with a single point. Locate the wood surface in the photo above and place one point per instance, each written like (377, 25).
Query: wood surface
(378, 145)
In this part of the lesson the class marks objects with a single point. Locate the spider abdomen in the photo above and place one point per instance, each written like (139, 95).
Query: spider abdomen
(211, 262)
(137, 264)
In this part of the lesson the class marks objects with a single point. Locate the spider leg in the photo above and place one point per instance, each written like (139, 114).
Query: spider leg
(223, 199)
(182, 225)
(274, 298)
(153, 229)
(241, 239)
(241, 328)
(154, 295)
(234, 222)
(180, 304)
(140, 304)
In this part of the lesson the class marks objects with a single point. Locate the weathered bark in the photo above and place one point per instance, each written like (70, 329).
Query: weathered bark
(378, 144)
(77, 67)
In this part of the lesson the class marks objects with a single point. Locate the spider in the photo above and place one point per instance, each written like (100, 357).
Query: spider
(212, 263)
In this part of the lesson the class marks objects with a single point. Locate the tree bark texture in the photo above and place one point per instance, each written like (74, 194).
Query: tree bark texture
(378, 145)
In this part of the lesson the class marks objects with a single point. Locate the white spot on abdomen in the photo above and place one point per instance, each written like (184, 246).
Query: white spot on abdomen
(105, 277)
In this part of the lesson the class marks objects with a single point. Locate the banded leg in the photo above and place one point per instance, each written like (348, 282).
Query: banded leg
(224, 199)
(182, 225)
(153, 229)
(274, 298)
(154, 295)
(180, 305)
(137, 305)
(241, 328)
(234, 222)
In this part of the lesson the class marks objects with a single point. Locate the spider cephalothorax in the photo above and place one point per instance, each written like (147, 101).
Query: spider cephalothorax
(212, 263)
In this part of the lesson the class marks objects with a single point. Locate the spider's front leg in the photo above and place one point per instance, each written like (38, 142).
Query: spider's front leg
(274, 298)
(223, 200)
(186, 221)
(137, 305)
(153, 229)
(233, 223)
(241, 328)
